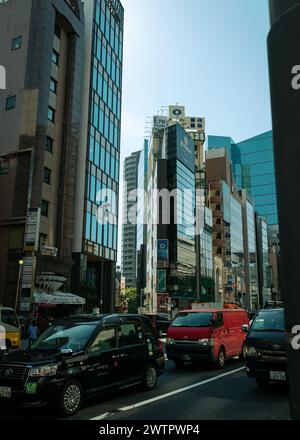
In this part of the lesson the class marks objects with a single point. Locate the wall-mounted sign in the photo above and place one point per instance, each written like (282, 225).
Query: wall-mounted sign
(159, 122)
(31, 242)
(161, 281)
(162, 253)
(185, 148)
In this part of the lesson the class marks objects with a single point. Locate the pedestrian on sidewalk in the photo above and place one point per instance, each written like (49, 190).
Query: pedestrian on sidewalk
(33, 332)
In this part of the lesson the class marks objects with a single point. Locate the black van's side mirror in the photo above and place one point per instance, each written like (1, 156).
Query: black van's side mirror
(245, 328)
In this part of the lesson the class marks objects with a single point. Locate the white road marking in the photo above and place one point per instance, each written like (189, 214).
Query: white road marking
(171, 393)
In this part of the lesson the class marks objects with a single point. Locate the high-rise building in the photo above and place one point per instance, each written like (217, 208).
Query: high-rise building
(97, 183)
(141, 233)
(250, 252)
(263, 261)
(41, 47)
(253, 170)
(228, 243)
(129, 227)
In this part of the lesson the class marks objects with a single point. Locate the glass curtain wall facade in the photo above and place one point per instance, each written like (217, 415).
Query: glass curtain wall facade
(207, 285)
(263, 261)
(104, 129)
(96, 264)
(141, 234)
(253, 169)
(129, 227)
(234, 245)
(181, 177)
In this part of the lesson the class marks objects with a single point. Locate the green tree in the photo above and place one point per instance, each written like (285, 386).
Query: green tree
(131, 296)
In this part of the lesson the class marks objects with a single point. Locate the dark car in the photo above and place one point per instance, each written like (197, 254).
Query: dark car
(160, 321)
(79, 357)
(266, 348)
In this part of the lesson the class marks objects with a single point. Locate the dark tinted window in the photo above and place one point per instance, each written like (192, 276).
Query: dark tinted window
(47, 175)
(128, 334)
(64, 336)
(16, 43)
(9, 317)
(105, 340)
(45, 208)
(269, 321)
(192, 319)
(49, 144)
(147, 329)
(10, 102)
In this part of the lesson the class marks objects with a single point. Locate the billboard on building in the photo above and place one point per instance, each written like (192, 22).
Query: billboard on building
(185, 148)
(161, 281)
(162, 253)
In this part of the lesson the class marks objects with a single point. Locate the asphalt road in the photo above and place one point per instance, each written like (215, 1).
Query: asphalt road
(188, 393)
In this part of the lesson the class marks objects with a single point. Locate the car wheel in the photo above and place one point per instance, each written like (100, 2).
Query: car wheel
(179, 364)
(71, 398)
(221, 358)
(262, 383)
(150, 378)
(243, 354)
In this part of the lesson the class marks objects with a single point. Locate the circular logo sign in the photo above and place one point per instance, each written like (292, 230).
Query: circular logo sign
(176, 112)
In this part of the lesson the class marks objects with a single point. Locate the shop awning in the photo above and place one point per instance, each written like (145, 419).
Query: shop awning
(57, 298)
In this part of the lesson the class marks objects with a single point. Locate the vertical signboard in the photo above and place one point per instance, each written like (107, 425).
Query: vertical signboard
(162, 253)
(161, 281)
(31, 241)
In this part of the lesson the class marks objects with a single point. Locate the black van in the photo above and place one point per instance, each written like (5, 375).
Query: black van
(78, 357)
(266, 348)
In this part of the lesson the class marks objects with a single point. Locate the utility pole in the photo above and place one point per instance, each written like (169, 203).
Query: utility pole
(284, 66)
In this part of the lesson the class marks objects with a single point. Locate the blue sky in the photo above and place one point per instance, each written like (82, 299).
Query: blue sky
(209, 55)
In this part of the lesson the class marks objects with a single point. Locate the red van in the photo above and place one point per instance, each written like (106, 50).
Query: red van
(212, 335)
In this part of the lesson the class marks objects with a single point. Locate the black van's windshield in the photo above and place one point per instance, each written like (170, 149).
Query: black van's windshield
(192, 319)
(269, 321)
(65, 336)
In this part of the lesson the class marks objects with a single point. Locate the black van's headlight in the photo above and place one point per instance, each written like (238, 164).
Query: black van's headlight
(46, 370)
(251, 350)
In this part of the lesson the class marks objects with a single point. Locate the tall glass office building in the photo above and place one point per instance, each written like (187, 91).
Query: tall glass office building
(253, 169)
(234, 245)
(181, 234)
(95, 251)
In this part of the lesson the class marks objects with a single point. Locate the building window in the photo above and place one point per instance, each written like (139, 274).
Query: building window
(49, 144)
(53, 85)
(55, 57)
(42, 242)
(45, 208)
(16, 43)
(4, 167)
(11, 102)
(47, 175)
(51, 114)
(57, 30)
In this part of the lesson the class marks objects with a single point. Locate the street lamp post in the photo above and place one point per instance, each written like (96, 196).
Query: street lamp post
(284, 68)
(21, 264)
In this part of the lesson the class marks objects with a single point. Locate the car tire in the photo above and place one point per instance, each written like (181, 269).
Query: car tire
(71, 398)
(243, 354)
(221, 358)
(262, 383)
(179, 364)
(150, 378)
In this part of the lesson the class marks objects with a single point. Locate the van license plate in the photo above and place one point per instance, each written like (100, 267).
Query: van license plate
(185, 357)
(5, 392)
(277, 375)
